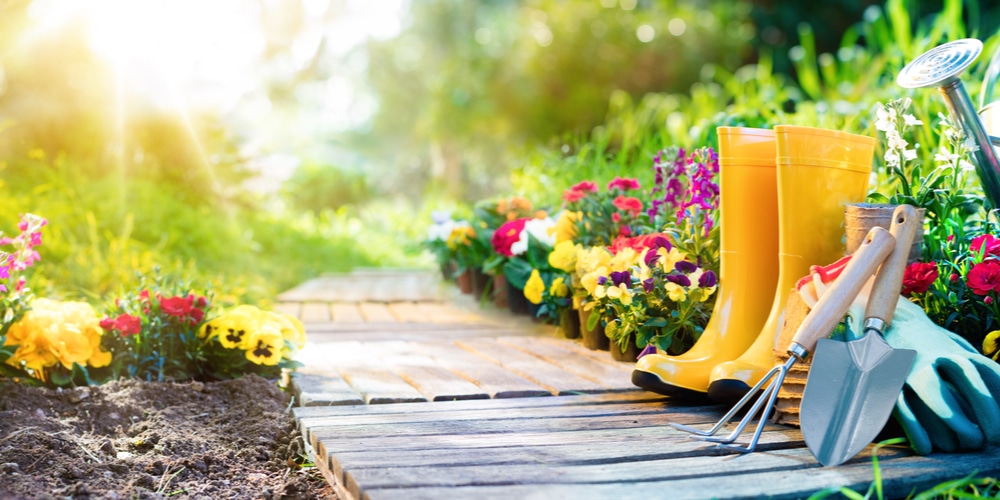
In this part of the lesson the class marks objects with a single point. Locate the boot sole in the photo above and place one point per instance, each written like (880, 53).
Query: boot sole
(727, 391)
(652, 383)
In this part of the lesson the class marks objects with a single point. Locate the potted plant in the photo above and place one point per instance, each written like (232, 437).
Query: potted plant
(490, 215)
(523, 246)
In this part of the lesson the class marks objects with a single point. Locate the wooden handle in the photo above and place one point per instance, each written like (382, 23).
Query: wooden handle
(889, 279)
(833, 305)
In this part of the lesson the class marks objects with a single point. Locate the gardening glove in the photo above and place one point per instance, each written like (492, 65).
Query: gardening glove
(949, 400)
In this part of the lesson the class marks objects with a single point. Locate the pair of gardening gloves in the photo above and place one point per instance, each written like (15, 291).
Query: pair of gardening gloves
(950, 399)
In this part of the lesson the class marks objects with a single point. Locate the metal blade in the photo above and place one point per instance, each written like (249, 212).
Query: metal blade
(851, 390)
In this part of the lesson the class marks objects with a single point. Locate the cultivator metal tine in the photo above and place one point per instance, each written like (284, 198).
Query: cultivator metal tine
(762, 406)
(732, 412)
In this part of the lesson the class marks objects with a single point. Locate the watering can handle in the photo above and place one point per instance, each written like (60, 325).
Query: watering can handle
(990, 80)
(834, 303)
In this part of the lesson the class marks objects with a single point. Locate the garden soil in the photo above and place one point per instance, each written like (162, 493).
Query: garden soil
(132, 439)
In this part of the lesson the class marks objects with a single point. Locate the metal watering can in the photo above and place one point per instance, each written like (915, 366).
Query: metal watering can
(940, 67)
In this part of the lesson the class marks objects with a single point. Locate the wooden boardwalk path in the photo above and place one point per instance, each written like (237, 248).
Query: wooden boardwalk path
(481, 419)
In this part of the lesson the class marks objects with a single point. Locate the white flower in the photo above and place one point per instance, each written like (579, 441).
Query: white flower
(910, 120)
(520, 246)
(945, 156)
(970, 145)
(443, 230)
(909, 154)
(896, 141)
(891, 158)
(966, 166)
(885, 118)
(539, 228)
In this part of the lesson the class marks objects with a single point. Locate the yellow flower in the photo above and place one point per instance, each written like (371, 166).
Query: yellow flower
(235, 327)
(264, 345)
(566, 226)
(669, 259)
(559, 288)
(534, 288)
(461, 235)
(563, 256)
(675, 292)
(590, 259)
(624, 260)
(36, 154)
(589, 280)
(57, 332)
(291, 328)
(620, 293)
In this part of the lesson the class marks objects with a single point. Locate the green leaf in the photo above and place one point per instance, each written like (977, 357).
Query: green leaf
(517, 272)
(656, 322)
(592, 319)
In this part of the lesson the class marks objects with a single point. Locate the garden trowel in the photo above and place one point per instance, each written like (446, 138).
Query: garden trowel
(853, 386)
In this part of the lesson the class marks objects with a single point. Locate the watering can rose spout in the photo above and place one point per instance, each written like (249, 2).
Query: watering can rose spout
(940, 67)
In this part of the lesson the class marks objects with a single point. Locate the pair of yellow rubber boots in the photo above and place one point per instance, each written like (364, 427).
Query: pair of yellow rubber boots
(783, 193)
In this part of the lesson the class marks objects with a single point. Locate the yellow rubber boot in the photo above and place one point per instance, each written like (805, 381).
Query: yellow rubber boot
(819, 172)
(748, 225)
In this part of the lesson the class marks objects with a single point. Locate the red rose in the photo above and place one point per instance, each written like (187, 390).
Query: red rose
(917, 277)
(628, 204)
(585, 187)
(128, 325)
(987, 243)
(984, 277)
(506, 235)
(178, 306)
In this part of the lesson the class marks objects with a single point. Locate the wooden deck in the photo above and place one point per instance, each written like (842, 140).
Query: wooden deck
(497, 406)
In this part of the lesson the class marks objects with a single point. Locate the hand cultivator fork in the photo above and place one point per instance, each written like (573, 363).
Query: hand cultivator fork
(818, 323)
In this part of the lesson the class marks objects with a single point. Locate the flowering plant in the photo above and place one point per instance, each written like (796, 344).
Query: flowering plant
(15, 296)
(650, 293)
(523, 245)
(600, 217)
(246, 339)
(438, 234)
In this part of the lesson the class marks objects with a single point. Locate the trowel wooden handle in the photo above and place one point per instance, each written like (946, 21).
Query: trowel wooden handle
(889, 280)
(833, 305)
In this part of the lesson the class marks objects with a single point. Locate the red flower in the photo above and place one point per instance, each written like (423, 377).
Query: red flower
(144, 295)
(623, 184)
(984, 277)
(917, 277)
(584, 187)
(986, 242)
(616, 217)
(628, 204)
(506, 235)
(179, 307)
(640, 243)
(572, 195)
(107, 324)
(128, 325)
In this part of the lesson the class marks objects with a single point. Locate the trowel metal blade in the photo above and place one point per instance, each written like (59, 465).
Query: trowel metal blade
(849, 395)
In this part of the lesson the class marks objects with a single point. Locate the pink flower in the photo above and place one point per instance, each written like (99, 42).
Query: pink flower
(986, 243)
(506, 235)
(623, 184)
(572, 195)
(36, 239)
(585, 187)
(984, 277)
(128, 325)
(918, 277)
(178, 307)
(616, 217)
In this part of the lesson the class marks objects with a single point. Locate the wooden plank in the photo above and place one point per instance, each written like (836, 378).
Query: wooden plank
(289, 308)
(381, 386)
(608, 373)
(533, 368)
(594, 446)
(376, 312)
(900, 477)
(423, 373)
(443, 313)
(323, 389)
(567, 402)
(616, 472)
(346, 313)
(408, 312)
(315, 312)
(494, 380)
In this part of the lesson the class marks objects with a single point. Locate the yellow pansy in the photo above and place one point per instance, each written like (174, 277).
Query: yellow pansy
(534, 288)
(620, 293)
(589, 280)
(235, 327)
(559, 288)
(668, 259)
(265, 345)
(590, 259)
(566, 226)
(563, 256)
(694, 276)
(675, 292)
(291, 328)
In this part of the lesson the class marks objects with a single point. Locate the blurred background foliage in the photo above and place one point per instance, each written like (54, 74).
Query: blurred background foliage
(466, 100)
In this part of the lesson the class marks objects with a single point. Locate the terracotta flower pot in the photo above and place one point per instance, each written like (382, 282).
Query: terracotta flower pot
(569, 323)
(515, 300)
(500, 291)
(593, 339)
(464, 281)
(631, 351)
(480, 282)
